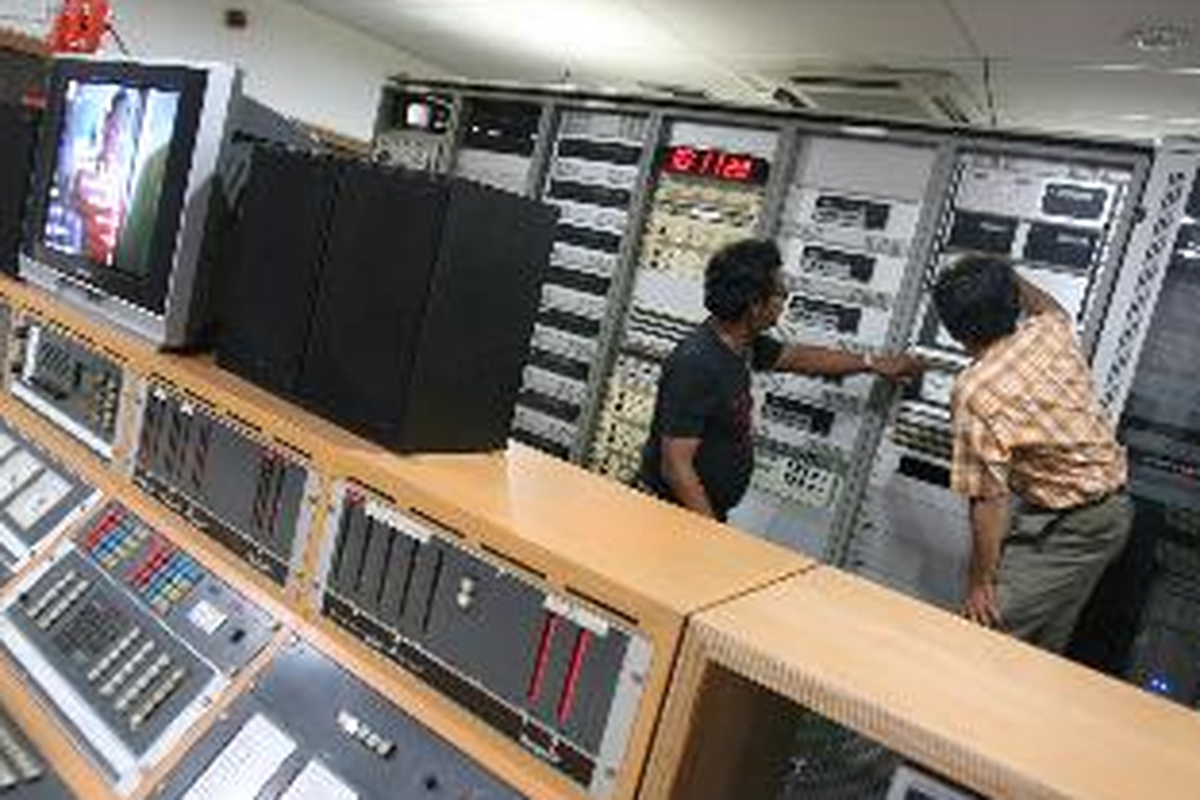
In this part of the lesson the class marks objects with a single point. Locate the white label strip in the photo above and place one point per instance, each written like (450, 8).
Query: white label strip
(316, 782)
(242, 769)
(580, 616)
(28, 508)
(16, 471)
(16, 548)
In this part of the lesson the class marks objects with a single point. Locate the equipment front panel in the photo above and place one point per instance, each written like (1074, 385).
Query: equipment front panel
(127, 639)
(562, 680)
(247, 493)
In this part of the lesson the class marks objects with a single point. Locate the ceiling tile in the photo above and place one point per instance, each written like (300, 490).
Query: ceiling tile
(1137, 104)
(857, 30)
(517, 39)
(1076, 31)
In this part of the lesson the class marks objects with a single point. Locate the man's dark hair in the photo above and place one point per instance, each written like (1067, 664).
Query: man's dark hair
(739, 275)
(977, 300)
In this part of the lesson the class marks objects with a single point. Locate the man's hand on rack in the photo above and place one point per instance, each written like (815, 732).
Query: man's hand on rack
(901, 367)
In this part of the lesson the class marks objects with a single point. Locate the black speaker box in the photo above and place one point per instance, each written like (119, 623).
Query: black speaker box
(268, 284)
(18, 132)
(397, 304)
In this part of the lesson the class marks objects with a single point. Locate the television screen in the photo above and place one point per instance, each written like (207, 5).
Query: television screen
(108, 174)
(127, 187)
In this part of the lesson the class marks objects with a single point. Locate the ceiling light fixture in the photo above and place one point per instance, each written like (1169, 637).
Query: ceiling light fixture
(1160, 38)
(1117, 67)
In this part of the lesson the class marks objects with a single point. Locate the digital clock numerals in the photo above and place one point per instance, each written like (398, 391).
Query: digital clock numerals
(712, 163)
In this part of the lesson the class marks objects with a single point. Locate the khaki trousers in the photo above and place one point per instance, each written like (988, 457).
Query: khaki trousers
(1050, 564)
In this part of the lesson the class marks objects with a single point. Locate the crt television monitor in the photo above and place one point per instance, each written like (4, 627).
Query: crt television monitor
(127, 173)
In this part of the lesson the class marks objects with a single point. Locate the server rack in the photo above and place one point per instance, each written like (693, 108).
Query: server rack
(865, 214)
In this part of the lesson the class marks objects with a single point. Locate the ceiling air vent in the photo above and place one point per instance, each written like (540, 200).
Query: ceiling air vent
(675, 91)
(921, 95)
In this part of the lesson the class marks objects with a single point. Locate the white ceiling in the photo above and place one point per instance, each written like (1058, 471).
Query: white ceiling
(1053, 64)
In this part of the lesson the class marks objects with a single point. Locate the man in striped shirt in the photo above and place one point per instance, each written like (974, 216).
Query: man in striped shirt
(1033, 453)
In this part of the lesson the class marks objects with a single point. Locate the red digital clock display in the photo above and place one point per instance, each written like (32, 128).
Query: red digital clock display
(712, 163)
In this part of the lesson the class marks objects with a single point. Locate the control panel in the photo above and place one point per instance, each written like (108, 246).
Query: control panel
(496, 142)
(251, 493)
(541, 667)
(276, 742)
(24, 773)
(70, 382)
(39, 498)
(592, 178)
(709, 191)
(846, 236)
(1055, 217)
(127, 639)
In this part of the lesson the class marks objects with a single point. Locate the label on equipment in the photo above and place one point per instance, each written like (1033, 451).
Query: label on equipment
(16, 471)
(243, 768)
(35, 501)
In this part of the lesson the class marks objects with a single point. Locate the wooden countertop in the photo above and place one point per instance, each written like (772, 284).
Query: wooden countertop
(979, 707)
(672, 557)
(607, 538)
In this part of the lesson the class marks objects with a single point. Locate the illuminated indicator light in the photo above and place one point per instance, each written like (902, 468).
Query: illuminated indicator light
(712, 163)
(1159, 685)
(566, 702)
(542, 657)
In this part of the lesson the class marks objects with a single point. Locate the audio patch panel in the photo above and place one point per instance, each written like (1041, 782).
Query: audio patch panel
(72, 383)
(39, 498)
(845, 221)
(846, 235)
(251, 493)
(591, 179)
(128, 640)
(544, 431)
(539, 666)
(625, 417)
(563, 344)
(806, 474)
(276, 743)
(709, 191)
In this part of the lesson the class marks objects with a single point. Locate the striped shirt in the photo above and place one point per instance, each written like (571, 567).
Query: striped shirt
(1026, 420)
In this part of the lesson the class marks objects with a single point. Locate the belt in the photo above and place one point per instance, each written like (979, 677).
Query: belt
(1033, 508)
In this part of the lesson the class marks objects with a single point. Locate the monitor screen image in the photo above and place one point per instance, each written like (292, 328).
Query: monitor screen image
(108, 175)
(128, 184)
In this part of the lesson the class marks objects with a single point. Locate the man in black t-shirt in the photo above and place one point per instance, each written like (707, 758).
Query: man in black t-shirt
(700, 452)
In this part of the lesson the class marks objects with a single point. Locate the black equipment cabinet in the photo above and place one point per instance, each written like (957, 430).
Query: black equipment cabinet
(398, 304)
(18, 129)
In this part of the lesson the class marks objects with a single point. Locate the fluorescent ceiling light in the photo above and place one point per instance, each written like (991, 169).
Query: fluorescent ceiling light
(1116, 67)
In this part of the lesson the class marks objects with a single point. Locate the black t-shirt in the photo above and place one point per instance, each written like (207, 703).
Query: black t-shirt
(704, 393)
